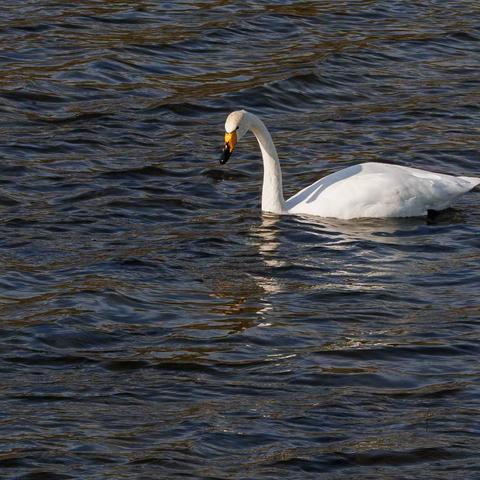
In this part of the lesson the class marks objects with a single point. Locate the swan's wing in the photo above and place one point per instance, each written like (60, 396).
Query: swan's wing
(379, 190)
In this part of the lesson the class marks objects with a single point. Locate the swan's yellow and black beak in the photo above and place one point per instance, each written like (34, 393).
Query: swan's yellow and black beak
(230, 141)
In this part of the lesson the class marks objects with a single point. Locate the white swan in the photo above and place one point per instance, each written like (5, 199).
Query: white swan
(366, 190)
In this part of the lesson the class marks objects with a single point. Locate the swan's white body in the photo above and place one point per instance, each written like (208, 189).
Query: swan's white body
(374, 190)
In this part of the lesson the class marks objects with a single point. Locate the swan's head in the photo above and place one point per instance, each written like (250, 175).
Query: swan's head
(236, 126)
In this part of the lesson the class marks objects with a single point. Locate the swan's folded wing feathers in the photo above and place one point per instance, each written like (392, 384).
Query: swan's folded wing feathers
(378, 190)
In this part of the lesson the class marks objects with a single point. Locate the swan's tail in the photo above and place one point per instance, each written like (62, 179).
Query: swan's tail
(472, 181)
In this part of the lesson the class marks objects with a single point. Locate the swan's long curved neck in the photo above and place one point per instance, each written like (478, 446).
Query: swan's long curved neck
(272, 191)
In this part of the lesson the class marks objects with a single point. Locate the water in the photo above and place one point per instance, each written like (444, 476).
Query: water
(153, 323)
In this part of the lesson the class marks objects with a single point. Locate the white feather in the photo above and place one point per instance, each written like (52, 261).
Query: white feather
(364, 190)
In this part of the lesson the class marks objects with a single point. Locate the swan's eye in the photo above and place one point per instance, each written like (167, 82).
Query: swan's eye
(237, 127)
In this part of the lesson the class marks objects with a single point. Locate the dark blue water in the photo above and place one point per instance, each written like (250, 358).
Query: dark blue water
(154, 324)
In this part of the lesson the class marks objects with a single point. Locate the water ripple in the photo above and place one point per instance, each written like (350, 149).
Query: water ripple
(153, 323)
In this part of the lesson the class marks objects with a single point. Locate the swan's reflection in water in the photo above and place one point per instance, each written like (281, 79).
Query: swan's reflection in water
(324, 253)
(290, 268)
(265, 237)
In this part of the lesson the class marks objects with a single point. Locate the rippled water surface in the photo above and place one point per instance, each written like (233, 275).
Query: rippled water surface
(154, 324)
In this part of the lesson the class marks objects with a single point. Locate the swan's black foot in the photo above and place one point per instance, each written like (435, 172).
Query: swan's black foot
(447, 215)
(433, 214)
